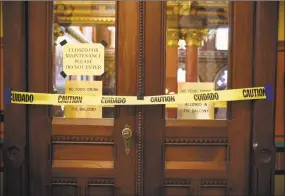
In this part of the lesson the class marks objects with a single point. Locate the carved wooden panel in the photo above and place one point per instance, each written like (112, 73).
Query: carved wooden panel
(214, 187)
(187, 187)
(65, 186)
(90, 187)
(83, 154)
(196, 153)
(83, 151)
(196, 150)
(83, 157)
(179, 187)
(83, 147)
(78, 186)
(100, 187)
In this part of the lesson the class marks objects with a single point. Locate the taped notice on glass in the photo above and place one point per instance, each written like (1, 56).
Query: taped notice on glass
(92, 88)
(83, 59)
(192, 110)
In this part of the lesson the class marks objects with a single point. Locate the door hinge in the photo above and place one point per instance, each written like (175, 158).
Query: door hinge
(1, 115)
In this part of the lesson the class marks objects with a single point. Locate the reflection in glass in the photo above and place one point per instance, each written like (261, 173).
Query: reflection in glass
(196, 51)
(221, 83)
(85, 22)
(221, 79)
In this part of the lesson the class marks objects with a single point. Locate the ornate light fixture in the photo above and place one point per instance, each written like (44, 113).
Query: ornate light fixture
(57, 32)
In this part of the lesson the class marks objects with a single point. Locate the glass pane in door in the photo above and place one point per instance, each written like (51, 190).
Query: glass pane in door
(80, 22)
(196, 55)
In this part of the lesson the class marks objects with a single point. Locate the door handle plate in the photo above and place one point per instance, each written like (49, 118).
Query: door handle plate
(127, 135)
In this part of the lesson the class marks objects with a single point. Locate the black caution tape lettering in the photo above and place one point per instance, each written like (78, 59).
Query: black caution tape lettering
(206, 96)
(112, 100)
(163, 99)
(25, 98)
(253, 93)
(69, 99)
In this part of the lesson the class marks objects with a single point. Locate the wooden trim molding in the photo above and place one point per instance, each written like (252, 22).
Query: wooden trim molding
(127, 42)
(76, 139)
(1, 20)
(281, 45)
(101, 182)
(265, 63)
(140, 109)
(64, 181)
(154, 121)
(279, 105)
(196, 123)
(196, 141)
(83, 164)
(240, 45)
(83, 122)
(187, 183)
(39, 71)
(15, 120)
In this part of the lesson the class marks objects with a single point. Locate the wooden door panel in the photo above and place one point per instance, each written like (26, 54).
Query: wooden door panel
(263, 134)
(195, 128)
(88, 153)
(182, 187)
(196, 151)
(65, 189)
(192, 148)
(95, 187)
(201, 157)
(83, 149)
(15, 117)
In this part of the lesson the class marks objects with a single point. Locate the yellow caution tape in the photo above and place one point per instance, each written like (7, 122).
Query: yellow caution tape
(71, 99)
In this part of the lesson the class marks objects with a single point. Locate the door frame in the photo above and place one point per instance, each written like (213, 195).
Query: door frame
(27, 158)
(24, 121)
(265, 68)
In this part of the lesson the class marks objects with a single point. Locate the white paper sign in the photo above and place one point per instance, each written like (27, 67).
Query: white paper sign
(83, 59)
(83, 88)
(195, 110)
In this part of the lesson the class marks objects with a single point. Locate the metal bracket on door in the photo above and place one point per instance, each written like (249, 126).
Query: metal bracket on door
(127, 134)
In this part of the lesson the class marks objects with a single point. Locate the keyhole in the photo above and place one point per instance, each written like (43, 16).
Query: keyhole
(13, 153)
(265, 155)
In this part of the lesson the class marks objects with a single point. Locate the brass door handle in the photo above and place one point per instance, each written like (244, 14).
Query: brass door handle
(127, 134)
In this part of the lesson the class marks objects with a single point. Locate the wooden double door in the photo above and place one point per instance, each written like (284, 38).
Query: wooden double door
(46, 153)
